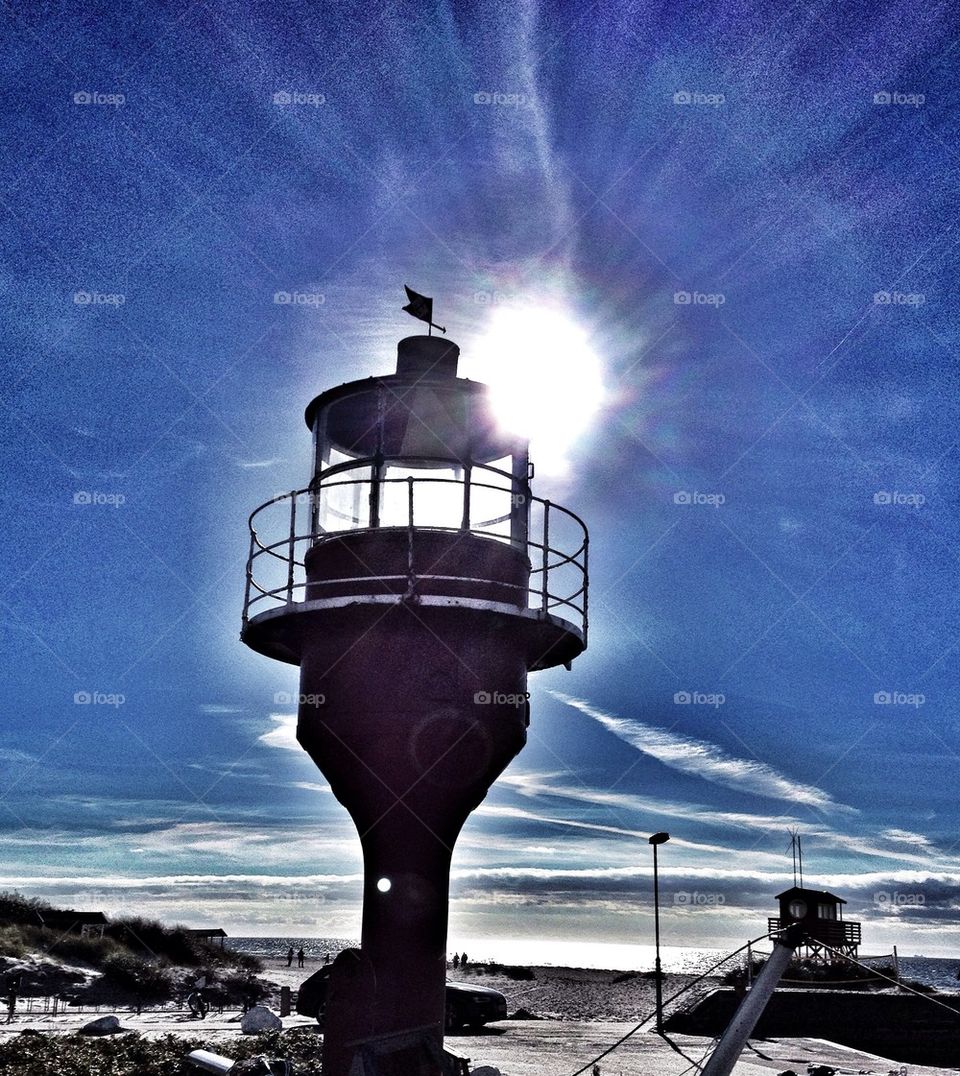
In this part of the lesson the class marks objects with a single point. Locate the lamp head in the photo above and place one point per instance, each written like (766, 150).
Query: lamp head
(659, 838)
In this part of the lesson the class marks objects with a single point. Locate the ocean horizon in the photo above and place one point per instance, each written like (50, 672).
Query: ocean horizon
(939, 972)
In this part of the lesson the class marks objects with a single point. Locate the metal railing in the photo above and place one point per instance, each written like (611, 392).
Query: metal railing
(285, 528)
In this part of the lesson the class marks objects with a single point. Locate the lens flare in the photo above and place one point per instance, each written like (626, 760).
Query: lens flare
(545, 378)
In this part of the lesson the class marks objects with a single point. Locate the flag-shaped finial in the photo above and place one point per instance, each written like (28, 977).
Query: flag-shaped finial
(421, 306)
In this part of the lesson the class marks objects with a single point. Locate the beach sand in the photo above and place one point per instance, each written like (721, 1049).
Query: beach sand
(556, 993)
(585, 1011)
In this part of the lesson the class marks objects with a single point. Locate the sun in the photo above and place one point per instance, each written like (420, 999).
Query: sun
(545, 379)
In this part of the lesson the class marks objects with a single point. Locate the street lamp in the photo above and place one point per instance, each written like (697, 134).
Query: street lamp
(655, 840)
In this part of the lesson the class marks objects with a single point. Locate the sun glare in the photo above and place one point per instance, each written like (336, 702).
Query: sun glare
(544, 377)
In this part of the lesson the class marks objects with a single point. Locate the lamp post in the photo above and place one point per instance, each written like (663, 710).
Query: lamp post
(656, 840)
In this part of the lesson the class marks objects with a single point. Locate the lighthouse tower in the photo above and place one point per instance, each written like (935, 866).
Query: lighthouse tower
(415, 581)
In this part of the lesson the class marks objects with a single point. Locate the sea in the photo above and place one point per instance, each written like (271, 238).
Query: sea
(938, 972)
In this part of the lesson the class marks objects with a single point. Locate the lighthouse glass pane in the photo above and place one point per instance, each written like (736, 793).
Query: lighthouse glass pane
(492, 504)
(437, 496)
(344, 500)
(352, 425)
(424, 422)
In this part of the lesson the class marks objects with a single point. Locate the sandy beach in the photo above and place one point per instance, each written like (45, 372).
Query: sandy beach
(582, 1012)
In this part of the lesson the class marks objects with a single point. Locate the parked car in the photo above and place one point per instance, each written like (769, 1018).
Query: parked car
(471, 1006)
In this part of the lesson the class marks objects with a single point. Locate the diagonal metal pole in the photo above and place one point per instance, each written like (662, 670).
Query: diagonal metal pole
(744, 1020)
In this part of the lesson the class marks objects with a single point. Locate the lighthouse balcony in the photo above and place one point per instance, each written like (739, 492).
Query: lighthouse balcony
(389, 535)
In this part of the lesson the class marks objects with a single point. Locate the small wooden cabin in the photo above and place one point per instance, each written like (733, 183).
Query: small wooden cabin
(821, 915)
(209, 935)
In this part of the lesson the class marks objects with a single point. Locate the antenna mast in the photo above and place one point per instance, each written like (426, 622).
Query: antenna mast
(793, 851)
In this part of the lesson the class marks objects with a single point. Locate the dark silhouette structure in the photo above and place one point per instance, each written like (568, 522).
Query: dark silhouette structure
(210, 935)
(415, 581)
(84, 924)
(820, 914)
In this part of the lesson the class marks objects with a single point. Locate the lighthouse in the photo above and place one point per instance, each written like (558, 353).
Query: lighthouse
(416, 581)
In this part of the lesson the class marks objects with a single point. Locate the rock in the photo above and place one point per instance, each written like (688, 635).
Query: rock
(105, 1025)
(258, 1019)
(485, 1070)
(524, 1014)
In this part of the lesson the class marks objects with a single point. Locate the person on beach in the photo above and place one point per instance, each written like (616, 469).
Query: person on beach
(300, 958)
(463, 961)
(290, 957)
(456, 960)
(596, 1070)
(326, 958)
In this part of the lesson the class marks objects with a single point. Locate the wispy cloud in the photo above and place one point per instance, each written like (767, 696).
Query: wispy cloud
(284, 735)
(219, 708)
(249, 465)
(702, 759)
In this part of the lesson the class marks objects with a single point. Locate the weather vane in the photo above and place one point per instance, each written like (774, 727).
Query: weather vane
(420, 306)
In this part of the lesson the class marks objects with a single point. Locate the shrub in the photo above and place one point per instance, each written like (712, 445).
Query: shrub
(146, 981)
(237, 989)
(131, 1055)
(12, 942)
(15, 908)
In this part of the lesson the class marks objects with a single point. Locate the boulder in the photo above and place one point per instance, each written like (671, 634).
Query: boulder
(258, 1019)
(485, 1070)
(524, 1014)
(105, 1025)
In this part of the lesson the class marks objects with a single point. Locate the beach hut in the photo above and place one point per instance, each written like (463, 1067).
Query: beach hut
(208, 935)
(821, 915)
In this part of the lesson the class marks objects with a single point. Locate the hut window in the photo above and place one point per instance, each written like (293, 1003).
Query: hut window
(827, 911)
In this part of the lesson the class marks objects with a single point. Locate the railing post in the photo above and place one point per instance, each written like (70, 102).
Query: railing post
(467, 478)
(586, 584)
(246, 591)
(314, 512)
(546, 554)
(291, 556)
(410, 576)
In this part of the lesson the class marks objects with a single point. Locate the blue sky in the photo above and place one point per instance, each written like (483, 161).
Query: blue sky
(751, 214)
